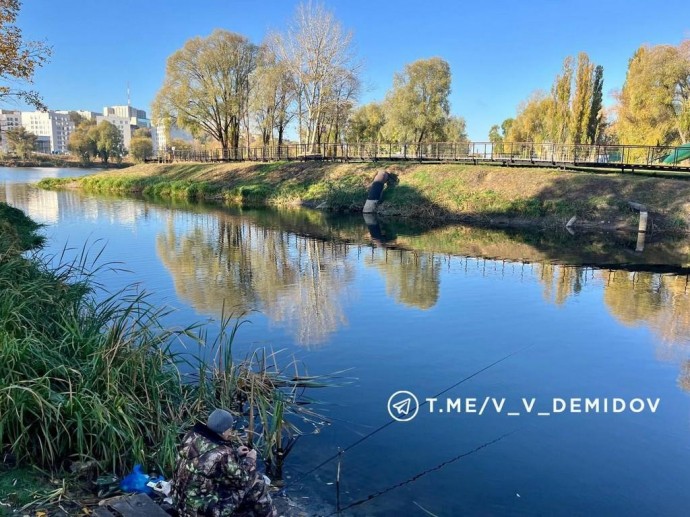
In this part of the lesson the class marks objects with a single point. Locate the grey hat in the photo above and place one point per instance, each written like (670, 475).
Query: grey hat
(220, 421)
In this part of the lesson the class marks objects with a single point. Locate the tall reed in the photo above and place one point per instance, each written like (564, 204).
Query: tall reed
(86, 375)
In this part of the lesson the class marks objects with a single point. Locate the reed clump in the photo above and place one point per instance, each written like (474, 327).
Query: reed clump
(91, 377)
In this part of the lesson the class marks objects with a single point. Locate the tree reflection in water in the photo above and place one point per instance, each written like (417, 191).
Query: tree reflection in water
(295, 281)
(412, 278)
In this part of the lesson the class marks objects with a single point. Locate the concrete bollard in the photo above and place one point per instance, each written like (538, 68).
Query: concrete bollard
(642, 226)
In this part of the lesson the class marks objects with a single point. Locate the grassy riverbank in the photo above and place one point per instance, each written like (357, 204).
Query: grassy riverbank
(92, 382)
(484, 194)
(59, 161)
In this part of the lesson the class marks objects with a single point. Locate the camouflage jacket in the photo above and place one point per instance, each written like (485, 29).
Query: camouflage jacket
(212, 479)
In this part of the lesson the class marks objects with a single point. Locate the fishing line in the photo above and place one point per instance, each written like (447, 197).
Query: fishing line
(421, 474)
(390, 422)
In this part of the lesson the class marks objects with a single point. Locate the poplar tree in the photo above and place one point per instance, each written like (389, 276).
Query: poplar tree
(582, 99)
(595, 113)
(559, 114)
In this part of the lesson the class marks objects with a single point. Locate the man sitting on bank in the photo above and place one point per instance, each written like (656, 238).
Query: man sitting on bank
(215, 477)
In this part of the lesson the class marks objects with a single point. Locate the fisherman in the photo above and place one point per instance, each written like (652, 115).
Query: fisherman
(376, 190)
(216, 477)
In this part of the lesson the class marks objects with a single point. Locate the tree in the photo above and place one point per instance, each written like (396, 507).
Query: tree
(582, 99)
(559, 108)
(76, 118)
(206, 88)
(21, 141)
(273, 94)
(318, 54)
(654, 104)
(505, 127)
(572, 114)
(109, 141)
(19, 59)
(141, 146)
(454, 130)
(495, 135)
(596, 112)
(417, 107)
(82, 141)
(365, 124)
(532, 121)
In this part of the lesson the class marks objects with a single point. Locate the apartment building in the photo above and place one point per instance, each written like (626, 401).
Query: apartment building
(54, 127)
(121, 123)
(136, 116)
(162, 138)
(9, 119)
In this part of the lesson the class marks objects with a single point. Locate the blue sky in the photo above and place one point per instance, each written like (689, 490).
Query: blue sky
(499, 51)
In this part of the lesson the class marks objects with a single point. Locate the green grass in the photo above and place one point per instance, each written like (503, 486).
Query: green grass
(546, 197)
(17, 231)
(87, 376)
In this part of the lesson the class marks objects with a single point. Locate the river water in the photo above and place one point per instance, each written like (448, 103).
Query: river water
(563, 323)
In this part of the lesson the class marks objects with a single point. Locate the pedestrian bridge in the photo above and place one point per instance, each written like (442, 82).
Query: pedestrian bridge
(621, 157)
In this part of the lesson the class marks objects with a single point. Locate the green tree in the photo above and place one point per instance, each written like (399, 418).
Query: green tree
(532, 121)
(76, 118)
(21, 141)
(505, 127)
(417, 108)
(495, 134)
(455, 130)
(654, 104)
(559, 108)
(573, 113)
(582, 100)
(82, 142)
(206, 88)
(596, 112)
(366, 123)
(141, 146)
(19, 59)
(109, 141)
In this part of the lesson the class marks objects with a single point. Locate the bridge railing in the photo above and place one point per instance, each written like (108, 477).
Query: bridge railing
(504, 152)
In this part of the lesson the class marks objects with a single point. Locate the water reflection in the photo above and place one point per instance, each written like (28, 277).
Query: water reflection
(412, 279)
(407, 306)
(297, 266)
(561, 282)
(661, 302)
(219, 258)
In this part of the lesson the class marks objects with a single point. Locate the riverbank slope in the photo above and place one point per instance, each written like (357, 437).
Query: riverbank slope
(515, 196)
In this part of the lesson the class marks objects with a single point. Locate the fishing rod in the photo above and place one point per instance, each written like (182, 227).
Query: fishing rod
(414, 478)
(387, 424)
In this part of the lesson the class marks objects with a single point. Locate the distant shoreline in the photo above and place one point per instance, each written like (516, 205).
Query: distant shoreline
(478, 194)
(61, 164)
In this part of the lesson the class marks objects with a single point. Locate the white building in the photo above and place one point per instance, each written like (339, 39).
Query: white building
(52, 126)
(161, 137)
(9, 119)
(88, 115)
(136, 116)
(121, 123)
